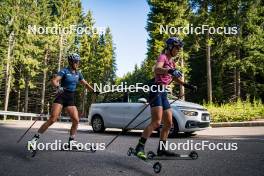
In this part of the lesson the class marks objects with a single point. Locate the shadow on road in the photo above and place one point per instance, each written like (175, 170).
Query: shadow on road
(127, 166)
(135, 133)
(128, 133)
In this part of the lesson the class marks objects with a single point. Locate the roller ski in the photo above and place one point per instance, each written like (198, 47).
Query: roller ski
(32, 146)
(167, 155)
(140, 155)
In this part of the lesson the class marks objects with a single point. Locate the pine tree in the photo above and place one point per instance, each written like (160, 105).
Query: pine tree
(98, 57)
(9, 28)
(164, 15)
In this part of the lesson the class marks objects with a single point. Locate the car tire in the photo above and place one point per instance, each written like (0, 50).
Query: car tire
(98, 124)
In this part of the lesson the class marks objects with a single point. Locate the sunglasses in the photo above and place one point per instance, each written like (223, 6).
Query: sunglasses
(178, 47)
(76, 62)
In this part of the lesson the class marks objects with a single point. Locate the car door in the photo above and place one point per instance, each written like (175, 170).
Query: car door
(143, 112)
(117, 114)
(116, 109)
(138, 108)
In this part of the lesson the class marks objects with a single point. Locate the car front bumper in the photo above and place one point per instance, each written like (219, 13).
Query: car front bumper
(196, 124)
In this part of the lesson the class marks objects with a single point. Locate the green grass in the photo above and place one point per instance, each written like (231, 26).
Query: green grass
(236, 111)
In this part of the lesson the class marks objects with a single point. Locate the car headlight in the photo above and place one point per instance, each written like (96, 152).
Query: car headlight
(189, 113)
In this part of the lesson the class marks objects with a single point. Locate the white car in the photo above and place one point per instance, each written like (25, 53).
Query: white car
(116, 110)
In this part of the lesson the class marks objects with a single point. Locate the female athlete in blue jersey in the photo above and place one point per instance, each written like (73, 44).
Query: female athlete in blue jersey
(65, 81)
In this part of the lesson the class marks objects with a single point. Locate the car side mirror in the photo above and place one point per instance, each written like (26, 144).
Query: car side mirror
(142, 100)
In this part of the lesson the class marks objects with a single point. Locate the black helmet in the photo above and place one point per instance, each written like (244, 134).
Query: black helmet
(74, 57)
(172, 42)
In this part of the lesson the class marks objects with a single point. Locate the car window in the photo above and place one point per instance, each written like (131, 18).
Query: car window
(113, 97)
(134, 96)
(122, 97)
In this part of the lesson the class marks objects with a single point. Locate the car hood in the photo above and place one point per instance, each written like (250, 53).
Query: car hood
(186, 104)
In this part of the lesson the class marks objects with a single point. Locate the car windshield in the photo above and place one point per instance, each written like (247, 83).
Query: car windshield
(134, 96)
(121, 97)
(112, 97)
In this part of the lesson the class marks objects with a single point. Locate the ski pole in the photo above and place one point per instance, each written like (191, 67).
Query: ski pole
(151, 101)
(132, 120)
(57, 94)
(177, 98)
(28, 129)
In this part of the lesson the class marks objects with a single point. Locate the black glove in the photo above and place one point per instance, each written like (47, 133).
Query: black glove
(175, 73)
(190, 86)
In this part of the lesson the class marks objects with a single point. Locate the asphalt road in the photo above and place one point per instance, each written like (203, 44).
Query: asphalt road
(248, 159)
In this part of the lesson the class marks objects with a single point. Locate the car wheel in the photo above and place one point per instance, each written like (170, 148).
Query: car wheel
(174, 129)
(98, 124)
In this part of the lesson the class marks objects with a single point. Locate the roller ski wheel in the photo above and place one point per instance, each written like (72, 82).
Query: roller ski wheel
(157, 167)
(130, 151)
(193, 155)
(30, 150)
(151, 155)
(92, 150)
(32, 153)
(140, 155)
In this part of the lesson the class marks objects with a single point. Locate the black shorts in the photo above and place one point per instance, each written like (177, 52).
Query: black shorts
(66, 98)
(159, 98)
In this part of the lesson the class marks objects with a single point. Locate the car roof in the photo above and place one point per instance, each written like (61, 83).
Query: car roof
(124, 90)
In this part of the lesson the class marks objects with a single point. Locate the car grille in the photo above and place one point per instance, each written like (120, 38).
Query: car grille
(203, 124)
(195, 124)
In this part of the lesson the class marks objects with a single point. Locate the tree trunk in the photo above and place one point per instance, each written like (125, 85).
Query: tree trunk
(204, 4)
(238, 94)
(182, 90)
(8, 70)
(19, 91)
(208, 66)
(26, 93)
(236, 84)
(18, 100)
(44, 81)
(61, 49)
(237, 72)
